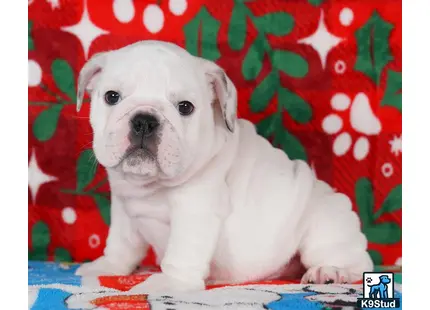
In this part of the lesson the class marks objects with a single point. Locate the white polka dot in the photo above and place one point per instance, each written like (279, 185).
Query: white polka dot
(361, 148)
(94, 241)
(69, 215)
(340, 102)
(346, 16)
(342, 143)
(177, 7)
(332, 124)
(340, 67)
(34, 73)
(387, 170)
(153, 18)
(123, 10)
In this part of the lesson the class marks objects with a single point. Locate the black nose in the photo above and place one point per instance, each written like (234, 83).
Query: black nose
(144, 125)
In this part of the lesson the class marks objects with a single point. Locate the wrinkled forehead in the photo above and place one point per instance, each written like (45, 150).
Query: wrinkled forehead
(151, 71)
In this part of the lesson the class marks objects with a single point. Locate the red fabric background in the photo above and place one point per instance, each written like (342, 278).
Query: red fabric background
(58, 156)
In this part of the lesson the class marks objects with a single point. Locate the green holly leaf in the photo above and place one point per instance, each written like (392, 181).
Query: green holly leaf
(383, 233)
(203, 26)
(290, 63)
(40, 239)
(277, 23)
(267, 126)
(62, 255)
(86, 169)
(376, 257)
(41, 103)
(392, 202)
(253, 61)
(373, 47)
(237, 27)
(30, 39)
(365, 200)
(103, 204)
(315, 2)
(295, 105)
(264, 92)
(46, 122)
(393, 95)
(64, 78)
(290, 144)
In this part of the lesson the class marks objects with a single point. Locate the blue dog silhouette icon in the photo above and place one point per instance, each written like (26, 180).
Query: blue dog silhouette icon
(380, 289)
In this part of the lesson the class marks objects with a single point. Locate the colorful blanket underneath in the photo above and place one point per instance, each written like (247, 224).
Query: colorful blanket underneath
(55, 286)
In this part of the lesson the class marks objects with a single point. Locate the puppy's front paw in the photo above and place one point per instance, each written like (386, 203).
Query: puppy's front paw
(328, 275)
(102, 267)
(162, 283)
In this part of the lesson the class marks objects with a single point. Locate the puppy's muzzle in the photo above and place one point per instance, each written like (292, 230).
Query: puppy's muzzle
(143, 126)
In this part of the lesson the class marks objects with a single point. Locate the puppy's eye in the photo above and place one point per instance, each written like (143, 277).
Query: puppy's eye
(185, 108)
(112, 97)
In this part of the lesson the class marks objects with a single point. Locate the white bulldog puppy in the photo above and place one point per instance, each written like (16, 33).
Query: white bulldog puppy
(213, 198)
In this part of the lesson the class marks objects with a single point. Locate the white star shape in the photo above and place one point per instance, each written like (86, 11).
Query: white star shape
(85, 30)
(36, 177)
(322, 40)
(396, 145)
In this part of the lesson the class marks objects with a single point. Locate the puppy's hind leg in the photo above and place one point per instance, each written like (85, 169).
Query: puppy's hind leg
(333, 249)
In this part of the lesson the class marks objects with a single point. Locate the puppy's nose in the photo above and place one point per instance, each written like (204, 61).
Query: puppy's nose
(144, 125)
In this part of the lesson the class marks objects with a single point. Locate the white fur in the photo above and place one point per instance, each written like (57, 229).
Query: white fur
(216, 204)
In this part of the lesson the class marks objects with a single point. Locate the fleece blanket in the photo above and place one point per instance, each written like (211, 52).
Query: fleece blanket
(321, 79)
(54, 286)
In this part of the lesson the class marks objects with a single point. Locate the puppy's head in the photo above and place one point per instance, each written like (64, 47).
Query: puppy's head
(156, 111)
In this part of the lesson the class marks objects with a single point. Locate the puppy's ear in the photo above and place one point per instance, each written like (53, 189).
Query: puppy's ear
(92, 68)
(225, 91)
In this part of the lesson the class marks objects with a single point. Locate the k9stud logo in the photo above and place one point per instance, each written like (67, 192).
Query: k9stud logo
(378, 291)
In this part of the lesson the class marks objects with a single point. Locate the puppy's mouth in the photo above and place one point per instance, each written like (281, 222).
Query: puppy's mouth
(140, 161)
(136, 153)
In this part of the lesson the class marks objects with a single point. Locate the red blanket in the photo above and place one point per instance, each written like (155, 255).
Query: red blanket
(320, 78)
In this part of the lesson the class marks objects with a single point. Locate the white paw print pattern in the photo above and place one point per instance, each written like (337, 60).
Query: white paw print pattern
(153, 16)
(362, 121)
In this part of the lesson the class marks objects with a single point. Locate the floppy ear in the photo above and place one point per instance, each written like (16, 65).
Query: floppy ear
(88, 72)
(225, 91)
